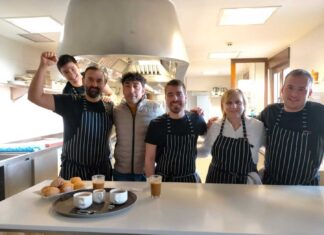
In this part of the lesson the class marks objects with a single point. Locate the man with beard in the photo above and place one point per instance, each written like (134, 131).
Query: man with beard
(87, 122)
(171, 140)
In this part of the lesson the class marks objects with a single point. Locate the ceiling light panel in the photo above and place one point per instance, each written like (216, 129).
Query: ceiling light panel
(36, 24)
(36, 37)
(246, 16)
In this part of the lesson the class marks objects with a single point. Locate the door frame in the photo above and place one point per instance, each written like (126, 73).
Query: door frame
(251, 60)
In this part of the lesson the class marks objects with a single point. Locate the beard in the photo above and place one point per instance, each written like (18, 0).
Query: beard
(93, 92)
(176, 107)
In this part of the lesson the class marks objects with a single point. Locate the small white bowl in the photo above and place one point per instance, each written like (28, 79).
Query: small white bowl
(118, 196)
(82, 200)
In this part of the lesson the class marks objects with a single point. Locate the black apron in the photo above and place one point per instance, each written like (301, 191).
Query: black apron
(87, 153)
(177, 163)
(231, 159)
(288, 159)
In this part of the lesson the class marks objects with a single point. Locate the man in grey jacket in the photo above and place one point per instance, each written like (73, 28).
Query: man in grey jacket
(131, 118)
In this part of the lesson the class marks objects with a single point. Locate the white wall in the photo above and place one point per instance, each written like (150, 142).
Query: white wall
(210, 105)
(308, 53)
(206, 83)
(21, 119)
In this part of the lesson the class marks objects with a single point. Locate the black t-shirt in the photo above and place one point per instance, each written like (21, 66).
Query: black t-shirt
(157, 130)
(70, 107)
(69, 89)
(293, 121)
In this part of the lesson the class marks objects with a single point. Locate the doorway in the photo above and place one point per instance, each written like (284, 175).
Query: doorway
(251, 76)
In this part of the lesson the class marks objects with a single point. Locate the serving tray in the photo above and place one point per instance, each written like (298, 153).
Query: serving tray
(64, 206)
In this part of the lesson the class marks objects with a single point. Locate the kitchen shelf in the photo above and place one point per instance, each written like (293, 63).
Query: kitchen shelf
(19, 90)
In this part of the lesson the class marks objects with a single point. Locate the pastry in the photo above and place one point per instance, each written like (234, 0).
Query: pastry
(58, 182)
(66, 187)
(49, 191)
(79, 185)
(75, 179)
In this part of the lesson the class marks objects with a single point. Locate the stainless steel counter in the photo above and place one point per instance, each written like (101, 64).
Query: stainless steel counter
(21, 170)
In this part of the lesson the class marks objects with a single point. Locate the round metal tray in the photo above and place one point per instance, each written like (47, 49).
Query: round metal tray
(64, 206)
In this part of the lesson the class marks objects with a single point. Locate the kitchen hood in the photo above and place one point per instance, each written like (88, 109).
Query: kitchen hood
(127, 35)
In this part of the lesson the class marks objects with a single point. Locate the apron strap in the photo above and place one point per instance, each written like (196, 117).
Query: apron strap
(243, 126)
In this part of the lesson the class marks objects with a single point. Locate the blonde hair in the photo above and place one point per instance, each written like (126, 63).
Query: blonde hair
(229, 94)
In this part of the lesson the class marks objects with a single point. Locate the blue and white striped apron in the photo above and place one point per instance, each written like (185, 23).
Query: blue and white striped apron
(231, 159)
(177, 163)
(87, 153)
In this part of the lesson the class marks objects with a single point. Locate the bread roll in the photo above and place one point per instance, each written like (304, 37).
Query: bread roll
(49, 191)
(75, 179)
(79, 185)
(67, 187)
(58, 182)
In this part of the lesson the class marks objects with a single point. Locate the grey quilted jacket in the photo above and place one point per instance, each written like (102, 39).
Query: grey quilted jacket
(130, 133)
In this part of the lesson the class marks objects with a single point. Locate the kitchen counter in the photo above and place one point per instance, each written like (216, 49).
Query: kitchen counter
(41, 146)
(20, 170)
(182, 209)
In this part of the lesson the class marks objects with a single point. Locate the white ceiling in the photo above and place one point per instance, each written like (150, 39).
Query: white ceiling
(198, 21)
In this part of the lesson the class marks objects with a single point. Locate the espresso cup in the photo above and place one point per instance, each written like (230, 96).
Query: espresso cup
(118, 196)
(99, 195)
(82, 200)
(155, 182)
(98, 181)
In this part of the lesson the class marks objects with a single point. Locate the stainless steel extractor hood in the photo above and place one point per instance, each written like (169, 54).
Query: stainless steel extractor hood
(127, 35)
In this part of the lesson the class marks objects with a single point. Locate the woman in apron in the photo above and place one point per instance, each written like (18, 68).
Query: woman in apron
(234, 142)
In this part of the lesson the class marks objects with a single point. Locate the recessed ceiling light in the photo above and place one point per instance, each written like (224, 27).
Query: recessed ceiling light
(223, 55)
(36, 37)
(246, 16)
(36, 24)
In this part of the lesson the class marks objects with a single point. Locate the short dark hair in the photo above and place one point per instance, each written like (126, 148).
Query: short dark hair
(176, 82)
(64, 59)
(131, 77)
(94, 68)
(300, 72)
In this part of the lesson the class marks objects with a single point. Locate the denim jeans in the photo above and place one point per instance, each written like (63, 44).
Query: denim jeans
(117, 176)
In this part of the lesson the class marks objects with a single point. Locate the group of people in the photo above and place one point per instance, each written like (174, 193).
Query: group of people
(152, 141)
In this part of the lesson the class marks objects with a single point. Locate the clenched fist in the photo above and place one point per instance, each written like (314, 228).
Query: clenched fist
(48, 58)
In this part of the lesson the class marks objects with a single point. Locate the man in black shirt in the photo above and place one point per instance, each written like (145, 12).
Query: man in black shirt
(295, 134)
(87, 122)
(171, 140)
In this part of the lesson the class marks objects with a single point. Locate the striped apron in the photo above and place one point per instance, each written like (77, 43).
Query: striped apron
(289, 158)
(231, 159)
(87, 152)
(177, 163)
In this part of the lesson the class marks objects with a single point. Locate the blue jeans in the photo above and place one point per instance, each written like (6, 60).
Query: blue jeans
(117, 176)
